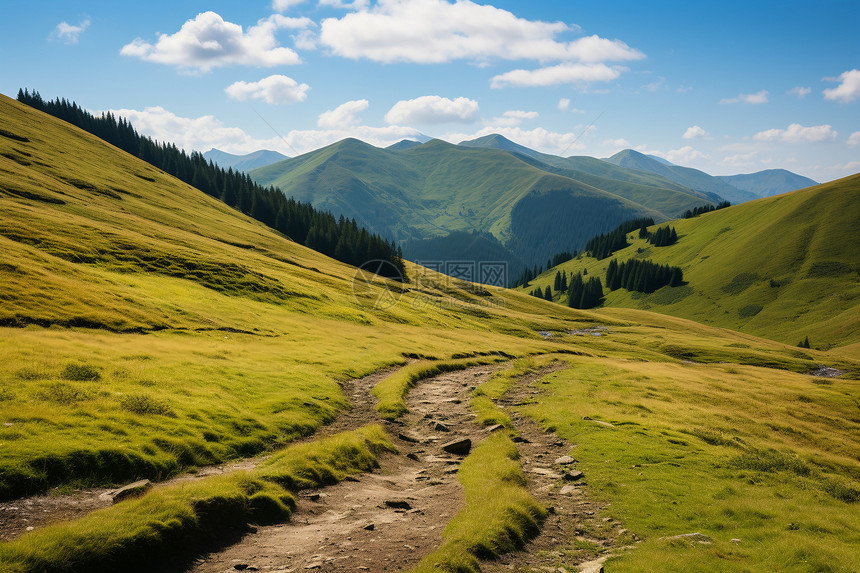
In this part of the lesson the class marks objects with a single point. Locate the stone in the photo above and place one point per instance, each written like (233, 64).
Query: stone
(370, 527)
(408, 438)
(412, 456)
(565, 460)
(495, 427)
(567, 490)
(572, 476)
(459, 447)
(601, 422)
(520, 440)
(440, 427)
(131, 490)
(691, 537)
(397, 504)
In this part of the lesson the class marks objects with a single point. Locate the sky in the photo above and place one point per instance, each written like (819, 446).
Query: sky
(727, 87)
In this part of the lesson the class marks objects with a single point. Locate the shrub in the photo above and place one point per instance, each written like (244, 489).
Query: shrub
(80, 372)
(145, 405)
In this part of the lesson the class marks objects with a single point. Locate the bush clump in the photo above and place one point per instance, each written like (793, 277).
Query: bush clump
(80, 372)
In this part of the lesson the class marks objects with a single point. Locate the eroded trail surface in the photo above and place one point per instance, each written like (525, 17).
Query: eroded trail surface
(383, 521)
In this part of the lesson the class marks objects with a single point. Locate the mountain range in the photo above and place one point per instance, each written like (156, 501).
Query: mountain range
(245, 162)
(532, 204)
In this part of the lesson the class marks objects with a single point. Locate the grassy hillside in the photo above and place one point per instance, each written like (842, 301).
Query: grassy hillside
(148, 329)
(783, 268)
(429, 190)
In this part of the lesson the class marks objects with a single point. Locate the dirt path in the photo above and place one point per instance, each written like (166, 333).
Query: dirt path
(22, 515)
(384, 521)
(574, 537)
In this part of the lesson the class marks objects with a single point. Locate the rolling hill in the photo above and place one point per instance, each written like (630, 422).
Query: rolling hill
(783, 267)
(425, 191)
(148, 330)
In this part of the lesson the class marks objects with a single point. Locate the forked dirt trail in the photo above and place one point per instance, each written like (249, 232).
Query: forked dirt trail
(383, 521)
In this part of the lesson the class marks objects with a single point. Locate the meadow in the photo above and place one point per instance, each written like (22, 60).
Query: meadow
(147, 330)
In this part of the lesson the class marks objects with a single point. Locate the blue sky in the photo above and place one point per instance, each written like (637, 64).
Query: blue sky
(728, 87)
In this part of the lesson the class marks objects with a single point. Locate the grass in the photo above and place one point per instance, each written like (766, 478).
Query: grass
(116, 365)
(172, 522)
(797, 277)
(391, 391)
(725, 450)
(500, 515)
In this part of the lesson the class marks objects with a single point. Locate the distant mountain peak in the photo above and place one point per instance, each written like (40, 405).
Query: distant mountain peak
(246, 162)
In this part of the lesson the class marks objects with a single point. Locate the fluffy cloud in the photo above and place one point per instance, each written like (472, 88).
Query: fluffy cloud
(800, 91)
(68, 34)
(462, 30)
(282, 5)
(426, 110)
(756, 98)
(796, 133)
(564, 104)
(344, 115)
(514, 117)
(276, 89)
(354, 5)
(205, 132)
(848, 89)
(208, 42)
(680, 156)
(539, 138)
(854, 138)
(740, 159)
(565, 73)
(694, 132)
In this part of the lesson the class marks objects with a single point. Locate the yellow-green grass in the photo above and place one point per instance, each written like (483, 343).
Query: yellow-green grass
(500, 515)
(174, 521)
(249, 333)
(391, 391)
(764, 457)
(484, 396)
(783, 267)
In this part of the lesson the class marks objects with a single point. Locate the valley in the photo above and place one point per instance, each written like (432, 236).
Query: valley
(281, 401)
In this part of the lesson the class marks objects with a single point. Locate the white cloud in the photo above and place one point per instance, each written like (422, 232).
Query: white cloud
(655, 85)
(205, 132)
(276, 89)
(563, 104)
(68, 34)
(344, 115)
(796, 133)
(433, 109)
(854, 138)
(340, 4)
(694, 132)
(539, 138)
(208, 42)
(283, 5)
(756, 98)
(849, 88)
(686, 154)
(800, 91)
(437, 31)
(740, 159)
(553, 75)
(514, 117)
(620, 142)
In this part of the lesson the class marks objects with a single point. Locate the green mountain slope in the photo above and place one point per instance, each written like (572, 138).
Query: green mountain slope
(430, 190)
(692, 178)
(147, 330)
(783, 267)
(769, 182)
